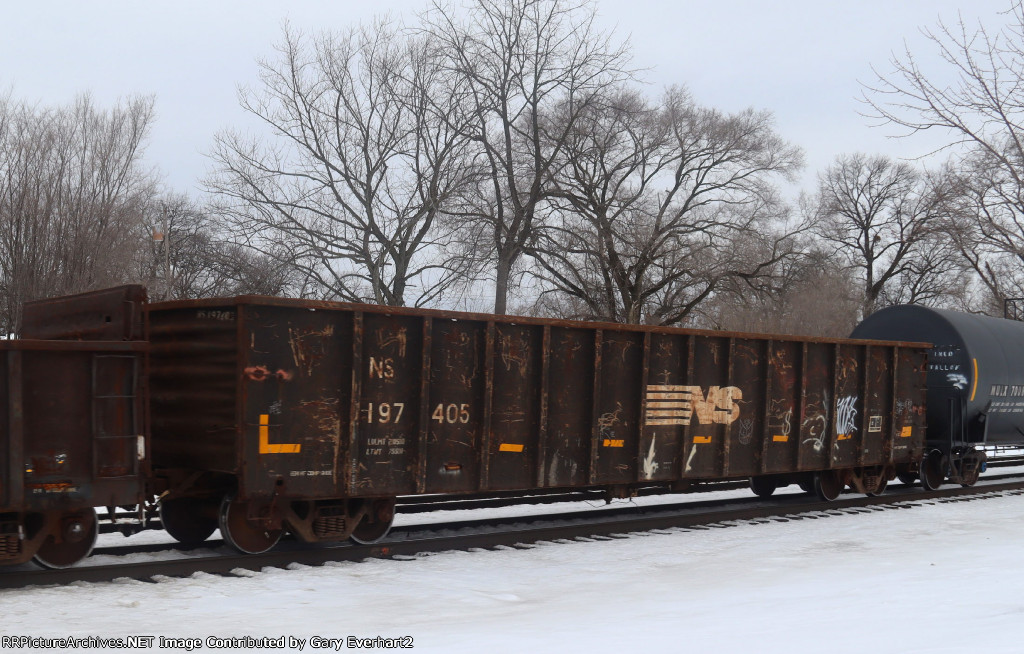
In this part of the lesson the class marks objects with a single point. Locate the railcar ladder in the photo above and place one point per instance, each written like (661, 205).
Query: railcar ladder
(117, 439)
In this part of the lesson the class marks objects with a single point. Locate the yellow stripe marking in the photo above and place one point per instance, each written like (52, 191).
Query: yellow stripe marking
(974, 388)
(277, 448)
(780, 438)
(701, 439)
(510, 447)
(614, 442)
(844, 437)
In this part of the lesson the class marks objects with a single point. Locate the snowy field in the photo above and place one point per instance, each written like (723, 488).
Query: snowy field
(935, 578)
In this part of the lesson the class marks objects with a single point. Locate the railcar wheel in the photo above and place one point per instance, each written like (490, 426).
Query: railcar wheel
(907, 478)
(828, 485)
(189, 520)
(932, 471)
(376, 524)
(72, 540)
(239, 532)
(763, 486)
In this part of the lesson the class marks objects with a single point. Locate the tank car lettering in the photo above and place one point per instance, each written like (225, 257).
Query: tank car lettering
(675, 405)
(266, 447)
(382, 369)
(1001, 390)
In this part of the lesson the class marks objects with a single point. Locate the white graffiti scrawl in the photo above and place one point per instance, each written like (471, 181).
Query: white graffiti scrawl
(846, 416)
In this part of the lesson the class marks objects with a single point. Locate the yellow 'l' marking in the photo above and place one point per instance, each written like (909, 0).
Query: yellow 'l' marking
(277, 448)
(974, 388)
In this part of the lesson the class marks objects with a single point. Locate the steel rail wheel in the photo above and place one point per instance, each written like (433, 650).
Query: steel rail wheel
(376, 524)
(933, 470)
(72, 539)
(763, 486)
(189, 520)
(828, 485)
(246, 536)
(907, 478)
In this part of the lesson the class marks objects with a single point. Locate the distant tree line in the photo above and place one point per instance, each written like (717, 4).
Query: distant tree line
(508, 150)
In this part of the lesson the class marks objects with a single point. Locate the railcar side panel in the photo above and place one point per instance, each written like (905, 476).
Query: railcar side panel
(194, 386)
(570, 407)
(660, 454)
(388, 404)
(295, 390)
(339, 400)
(517, 406)
(708, 408)
(616, 418)
(455, 407)
(907, 435)
(875, 422)
(73, 431)
(784, 376)
(817, 395)
(748, 427)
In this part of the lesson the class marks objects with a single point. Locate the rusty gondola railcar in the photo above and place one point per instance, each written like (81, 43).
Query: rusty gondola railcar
(271, 414)
(72, 431)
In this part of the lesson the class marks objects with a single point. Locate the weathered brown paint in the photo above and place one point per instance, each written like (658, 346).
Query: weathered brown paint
(387, 401)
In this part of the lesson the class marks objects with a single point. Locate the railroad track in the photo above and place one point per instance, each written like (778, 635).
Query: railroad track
(520, 531)
(427, 503)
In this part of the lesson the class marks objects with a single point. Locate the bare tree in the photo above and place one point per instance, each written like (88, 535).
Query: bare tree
(523, 63)
(977, 96)
(883, 220)
(809, 295)
(658, 207)
(189, 257)
(72, 195)
(368, 150)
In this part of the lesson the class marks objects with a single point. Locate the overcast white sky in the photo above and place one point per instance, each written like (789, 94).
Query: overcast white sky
(800, 59)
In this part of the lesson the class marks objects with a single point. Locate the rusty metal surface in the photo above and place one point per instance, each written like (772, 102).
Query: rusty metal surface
(316, 400)
(74, 424)
(109, 315)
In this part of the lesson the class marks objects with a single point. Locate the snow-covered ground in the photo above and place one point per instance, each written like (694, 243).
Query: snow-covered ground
(936, 578)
